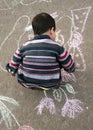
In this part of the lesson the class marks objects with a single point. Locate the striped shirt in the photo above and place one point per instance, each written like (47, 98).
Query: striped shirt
(39, 61)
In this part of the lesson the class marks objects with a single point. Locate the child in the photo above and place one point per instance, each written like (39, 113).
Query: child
(38, 62)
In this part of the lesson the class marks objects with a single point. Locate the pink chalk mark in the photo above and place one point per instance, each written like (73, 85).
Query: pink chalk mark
(26, 127)
(54, 15)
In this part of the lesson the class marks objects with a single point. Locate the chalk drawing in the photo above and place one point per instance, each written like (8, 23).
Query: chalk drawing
(6, 114)
(54, 15)
(71, 108)
(74, 41)
(66, 77)
(8, 5)
(25, 20)
(27, 4)
(25, 127)
(47, 103)
(79, 19)
(14, 29)
(59, 37)
(45, 1)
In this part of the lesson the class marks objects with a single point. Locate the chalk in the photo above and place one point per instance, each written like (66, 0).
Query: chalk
(28, 28)
(87, 108)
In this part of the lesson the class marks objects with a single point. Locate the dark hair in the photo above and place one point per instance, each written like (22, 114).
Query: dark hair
(42, 22)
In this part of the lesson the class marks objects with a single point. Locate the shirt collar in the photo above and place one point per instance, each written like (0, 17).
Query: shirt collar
(41, 37)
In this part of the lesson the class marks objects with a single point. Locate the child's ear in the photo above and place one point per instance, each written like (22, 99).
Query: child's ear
(52, 30)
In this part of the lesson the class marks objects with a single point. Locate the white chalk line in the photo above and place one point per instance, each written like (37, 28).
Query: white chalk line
(16, 2)
(6, 114)
(11, 32)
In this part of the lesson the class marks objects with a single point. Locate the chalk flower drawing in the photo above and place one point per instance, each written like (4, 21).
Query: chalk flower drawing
(71, 108)
(6, 115)
(47, 103)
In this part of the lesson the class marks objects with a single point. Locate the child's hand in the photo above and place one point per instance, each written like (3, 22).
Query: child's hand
(11, 72)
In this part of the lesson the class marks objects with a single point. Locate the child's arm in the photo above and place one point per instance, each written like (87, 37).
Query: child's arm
(14, 63)
(66, 61)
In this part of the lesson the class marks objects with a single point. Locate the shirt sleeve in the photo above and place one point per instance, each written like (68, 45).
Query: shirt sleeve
(66, 61)
(14, 63)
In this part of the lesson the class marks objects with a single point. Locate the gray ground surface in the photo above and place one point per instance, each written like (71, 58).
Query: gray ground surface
(15, 16)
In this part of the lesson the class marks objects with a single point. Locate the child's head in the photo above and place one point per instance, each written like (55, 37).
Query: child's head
(43, 23)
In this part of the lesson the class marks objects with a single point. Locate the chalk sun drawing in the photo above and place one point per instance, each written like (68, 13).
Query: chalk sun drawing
(6, 115)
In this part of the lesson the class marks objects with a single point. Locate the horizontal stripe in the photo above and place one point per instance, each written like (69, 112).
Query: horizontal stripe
(40, 71)
(64, 57)
(40, 67)
(40, 57)
(39, 60)
(14, 64)
(32, 80)
(39, 41)
(17, 53)
(16, 56)
(42, 82)
(40, 76)
(40, 64)
(68, 65)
